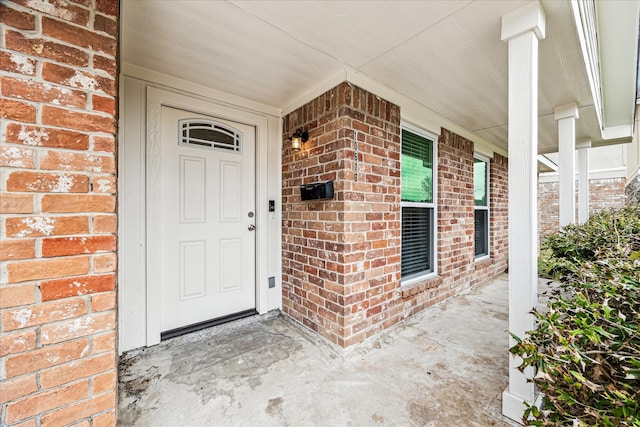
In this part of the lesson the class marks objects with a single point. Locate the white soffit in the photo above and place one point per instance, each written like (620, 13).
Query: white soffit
(338, 27)
(618, 40)
(446, 56)
(218, 45)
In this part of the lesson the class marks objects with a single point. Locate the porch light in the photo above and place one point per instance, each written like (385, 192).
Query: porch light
(297, 139)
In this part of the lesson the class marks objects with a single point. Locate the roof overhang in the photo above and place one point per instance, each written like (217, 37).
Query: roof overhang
(608, 34)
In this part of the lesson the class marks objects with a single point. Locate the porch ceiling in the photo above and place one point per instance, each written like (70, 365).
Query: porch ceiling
(444, 55)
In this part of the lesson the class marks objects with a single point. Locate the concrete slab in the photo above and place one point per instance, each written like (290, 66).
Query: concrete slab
(444, 367)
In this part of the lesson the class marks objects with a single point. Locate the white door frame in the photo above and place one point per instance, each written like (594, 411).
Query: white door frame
(156, 98)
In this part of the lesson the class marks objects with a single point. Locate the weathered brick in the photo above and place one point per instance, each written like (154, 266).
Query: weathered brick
(105, 263)
(16, 157)
(28, 423)
(87, 122)
(104, 184)
(39, 314)
(61, 246)
(67, 287)
(46, 137)
(68, 161)
(104, 144)
(17, 110)
(12, 62)
(17, 19)
(47, 182)
(18, 387)
(106, 64)
(77, 203)
(108, 7)
(58, 8)
(78, 327)
(42, 92)
(11, 249)
(78, 36)
(106, 25)
(107, 419)
(46, 49)
(104, 382)
(46, 226)
(104, 342)
(71, 414)
(74, 78)
(104, 104)
(45, 401)
(58, 91)
(16, 204)
(22, 271)
(12, 296)
(105, 223)
(76, 370)
(45, 357)
(103, 301)
(17, 342)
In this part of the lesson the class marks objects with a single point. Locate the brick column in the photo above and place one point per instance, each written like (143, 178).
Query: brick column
(455, 211)
(341, 257)
(58, 359)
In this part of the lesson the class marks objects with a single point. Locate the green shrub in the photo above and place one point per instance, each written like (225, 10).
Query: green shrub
(586, 348)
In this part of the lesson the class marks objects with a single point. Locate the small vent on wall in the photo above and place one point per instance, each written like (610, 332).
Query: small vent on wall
(209, 134)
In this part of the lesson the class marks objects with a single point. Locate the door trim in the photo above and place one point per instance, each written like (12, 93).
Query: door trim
(156, 99)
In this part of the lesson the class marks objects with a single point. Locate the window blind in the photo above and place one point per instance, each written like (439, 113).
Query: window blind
(416, 240)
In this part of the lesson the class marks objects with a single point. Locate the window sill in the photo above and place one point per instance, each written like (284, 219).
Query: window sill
(420, 285)
(483, 262)
(483, 258)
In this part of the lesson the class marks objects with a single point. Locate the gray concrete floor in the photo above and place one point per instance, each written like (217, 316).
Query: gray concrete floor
(444, 367)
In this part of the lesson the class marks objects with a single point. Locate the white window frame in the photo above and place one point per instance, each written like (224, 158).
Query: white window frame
(487, 160)
(434, 205)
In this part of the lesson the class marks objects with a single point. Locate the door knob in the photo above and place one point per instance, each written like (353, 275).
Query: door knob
(252, 227)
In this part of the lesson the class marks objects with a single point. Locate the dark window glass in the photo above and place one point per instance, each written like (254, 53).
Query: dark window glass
(481, 240)
(416, 240)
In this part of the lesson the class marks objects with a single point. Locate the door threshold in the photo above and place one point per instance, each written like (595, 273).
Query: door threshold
(206, 324)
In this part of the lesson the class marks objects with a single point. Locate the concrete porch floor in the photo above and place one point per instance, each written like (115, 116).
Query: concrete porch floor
(445, 367)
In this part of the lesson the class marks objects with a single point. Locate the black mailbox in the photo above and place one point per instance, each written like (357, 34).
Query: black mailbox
(317, 191)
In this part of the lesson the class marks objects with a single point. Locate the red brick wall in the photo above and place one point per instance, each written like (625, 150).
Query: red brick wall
(455, 212)
(498, 222)
(604, 193)
(57, 212)
(341, 258)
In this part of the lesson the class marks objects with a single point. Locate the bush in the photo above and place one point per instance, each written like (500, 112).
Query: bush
(586, 348)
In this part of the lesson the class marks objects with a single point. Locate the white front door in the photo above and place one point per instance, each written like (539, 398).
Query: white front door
(207, 218)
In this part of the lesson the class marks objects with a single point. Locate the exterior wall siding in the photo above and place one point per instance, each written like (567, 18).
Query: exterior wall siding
(58, 361)
(341, 257)
(604, 193)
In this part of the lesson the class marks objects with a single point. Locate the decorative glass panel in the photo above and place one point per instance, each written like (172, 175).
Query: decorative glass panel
(209, 134)
(480, 182)
(417, 168)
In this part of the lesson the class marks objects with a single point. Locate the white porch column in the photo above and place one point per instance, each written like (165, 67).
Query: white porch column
(583, 180)
(522, 28)
(566, 116)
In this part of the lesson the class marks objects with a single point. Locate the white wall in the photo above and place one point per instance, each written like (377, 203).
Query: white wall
(132, 291)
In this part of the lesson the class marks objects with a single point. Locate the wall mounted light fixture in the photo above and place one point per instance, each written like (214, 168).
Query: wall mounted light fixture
(298, 138)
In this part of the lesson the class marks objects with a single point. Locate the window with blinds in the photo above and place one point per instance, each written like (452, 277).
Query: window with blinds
(481, 207)
(417, 205)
